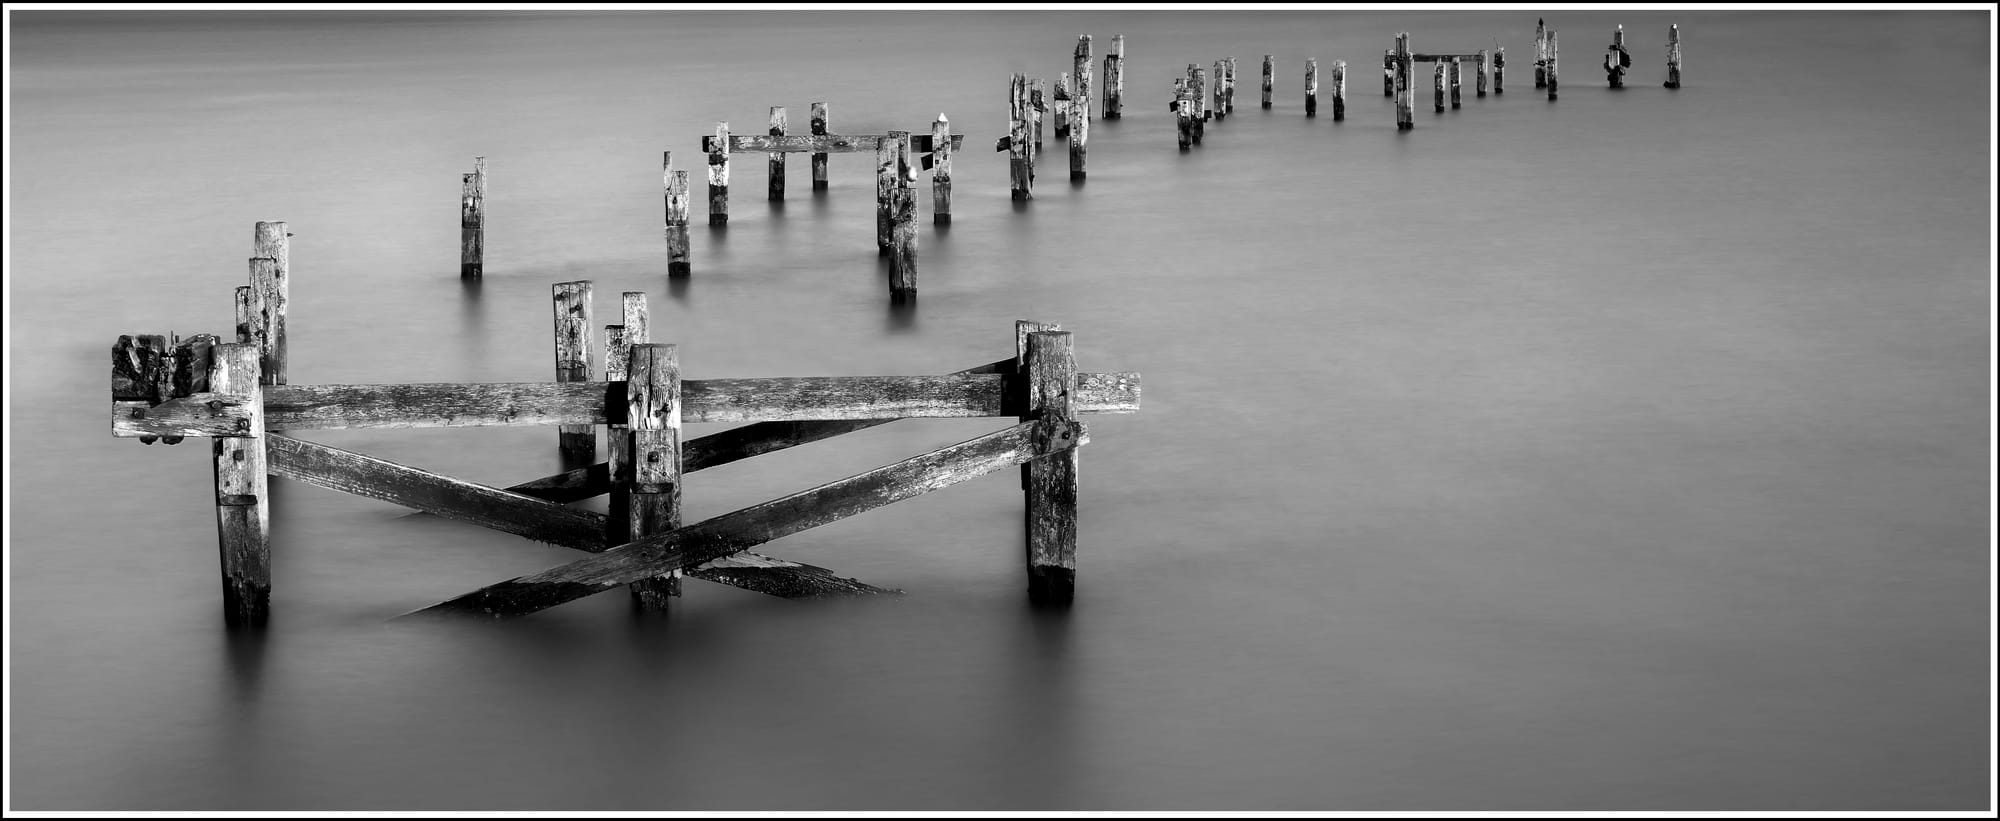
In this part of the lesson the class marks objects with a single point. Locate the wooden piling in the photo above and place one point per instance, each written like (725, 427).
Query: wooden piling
(718, 176)
(1034, 112)
(941, 171)
(1405, 84)
(472, 222)
(885, 186)
(1229, 85)
(246, 315)
(273, 284)
(1673, 56)
(777, 184)
(1114, 79)
(1552, 64)
(1079, 132)
(819, 157)
(679, 249)
(1220, 107)
(1455, 77)
(1541, 54)
(1437, 86)
(1017, 160)
(653, 409)
(1023, 328)
(1499, 69)
(617, 444)
(1388, 72)
(1312, 87)
(1201, 111)
(572, 331)
(265, 302)
(903, 220)
(1339, 90)
(1052, 491)
(1183, 107)
(1061, 105)
(242, 495)
(1616, 59)
(1270, 65)
(1485, 61)
(1083, 80)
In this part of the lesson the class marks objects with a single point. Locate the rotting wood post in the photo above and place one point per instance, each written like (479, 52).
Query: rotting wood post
(1183, 115)
(777, 183)
(142, 367)
(617, 444)
(1456, 76)
(1437, 86)
(653, 409)
(1389, 71)
(1312, 87)
(472, 222)
(1220, 107)
(1485, 60)
(274, 290)
(1616, 58)
(1405, 84)
(572, 330)
(1034, 110)
(1052, 485)
(1552, 64)
(679, 249)
(718, 176)
(941, 170)
(819, 157)
(246, 315)
(1673, 56)
(903, 221)
(1270, 65)
(242, 495)
(1114, 79)
(885, 185)
(1061, 105)
(1019, 367)
(1083, 79)
(1079, 133)
(1499, 68)
(1200, 103)
(1229, 85)
(266, 301)
(1017, 160)
(1541, 54)
(1339, 90)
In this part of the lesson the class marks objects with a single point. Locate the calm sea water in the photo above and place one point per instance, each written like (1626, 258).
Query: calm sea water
(1627, 452)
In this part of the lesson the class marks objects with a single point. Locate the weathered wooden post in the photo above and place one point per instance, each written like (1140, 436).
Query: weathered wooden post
(718, 176)
(777, 183)
(472, 222)
(885, 187)
(1114, 79)
(941, 171)
(1312, 87)
(618, 342)
(270, 276)
(679, 256)
(1183, 114)
(1455, 78)
(1339, 90)
(1406, 92)
(1552, 64)
(1674, 56)
(1201, 111)
(1388, 72)
(1229, 85)
(1062, 105)
(1017, 160)
(573, 326)
(819, 157)
(1270, 65)
(903, 222)
(1052, 487)
(1485, 60)
(653, 410)
(1616, 59)
(242, 492)
(246, 315)
(1437, 85)
(1079, 131)
(1034, 110)
(1499, 68)
(1221, 107)
(1541, 54)
(1083, 79)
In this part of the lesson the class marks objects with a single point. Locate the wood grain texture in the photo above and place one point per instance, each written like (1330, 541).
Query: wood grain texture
(1051, 497)
(1405, 84)
(272, 281)
(242, 509)
(1339, 85)
(1034, 111)
(1079, 135)
(679, 249)
(1219, 89)
(775, 190)
(1455, 77)
(740, 530)
(1673, 56)
(1437, 86)
(653, 410)
(142, 368)
(472, 222)
(1018, 178)
(246, 315)
(1481, 66)
(1312, 87)
(202, 414)
(573, 325)
(819, 157)
(1499, 70)
(1114, 79)
(1552, 64)
(718, 175)
(1541, 54)
(941, 151)
(1086, 85)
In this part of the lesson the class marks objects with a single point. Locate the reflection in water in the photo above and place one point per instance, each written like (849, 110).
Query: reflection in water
(902, 314)
(677, 287)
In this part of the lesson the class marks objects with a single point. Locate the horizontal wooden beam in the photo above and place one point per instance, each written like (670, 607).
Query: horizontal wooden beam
(743, 529)
(348, 472)
(815, 143)
(786, 398)
(200, 414)
(1432, 58)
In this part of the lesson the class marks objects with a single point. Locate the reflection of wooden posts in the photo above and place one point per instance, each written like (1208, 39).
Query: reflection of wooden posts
(1499, 68)
(777, 183)
(679, 262)
(1050, 368)
(1083, 80)
(819, 157)
(1552, 64)
(1114, 79)
(1674, 56)
(270, 279)
(573, 326)
(941, 171)
(242, 492)
(653, 410)
(1312, 87)
(1485, 60)
(718, 176)
(1455, 77)
(1437, 86)
(903, 220)
(1339, 90)
(1616, 59)
(1406, 92)
(472, 222)
(1541, 54)
(1270, 65)
(1079, 131)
